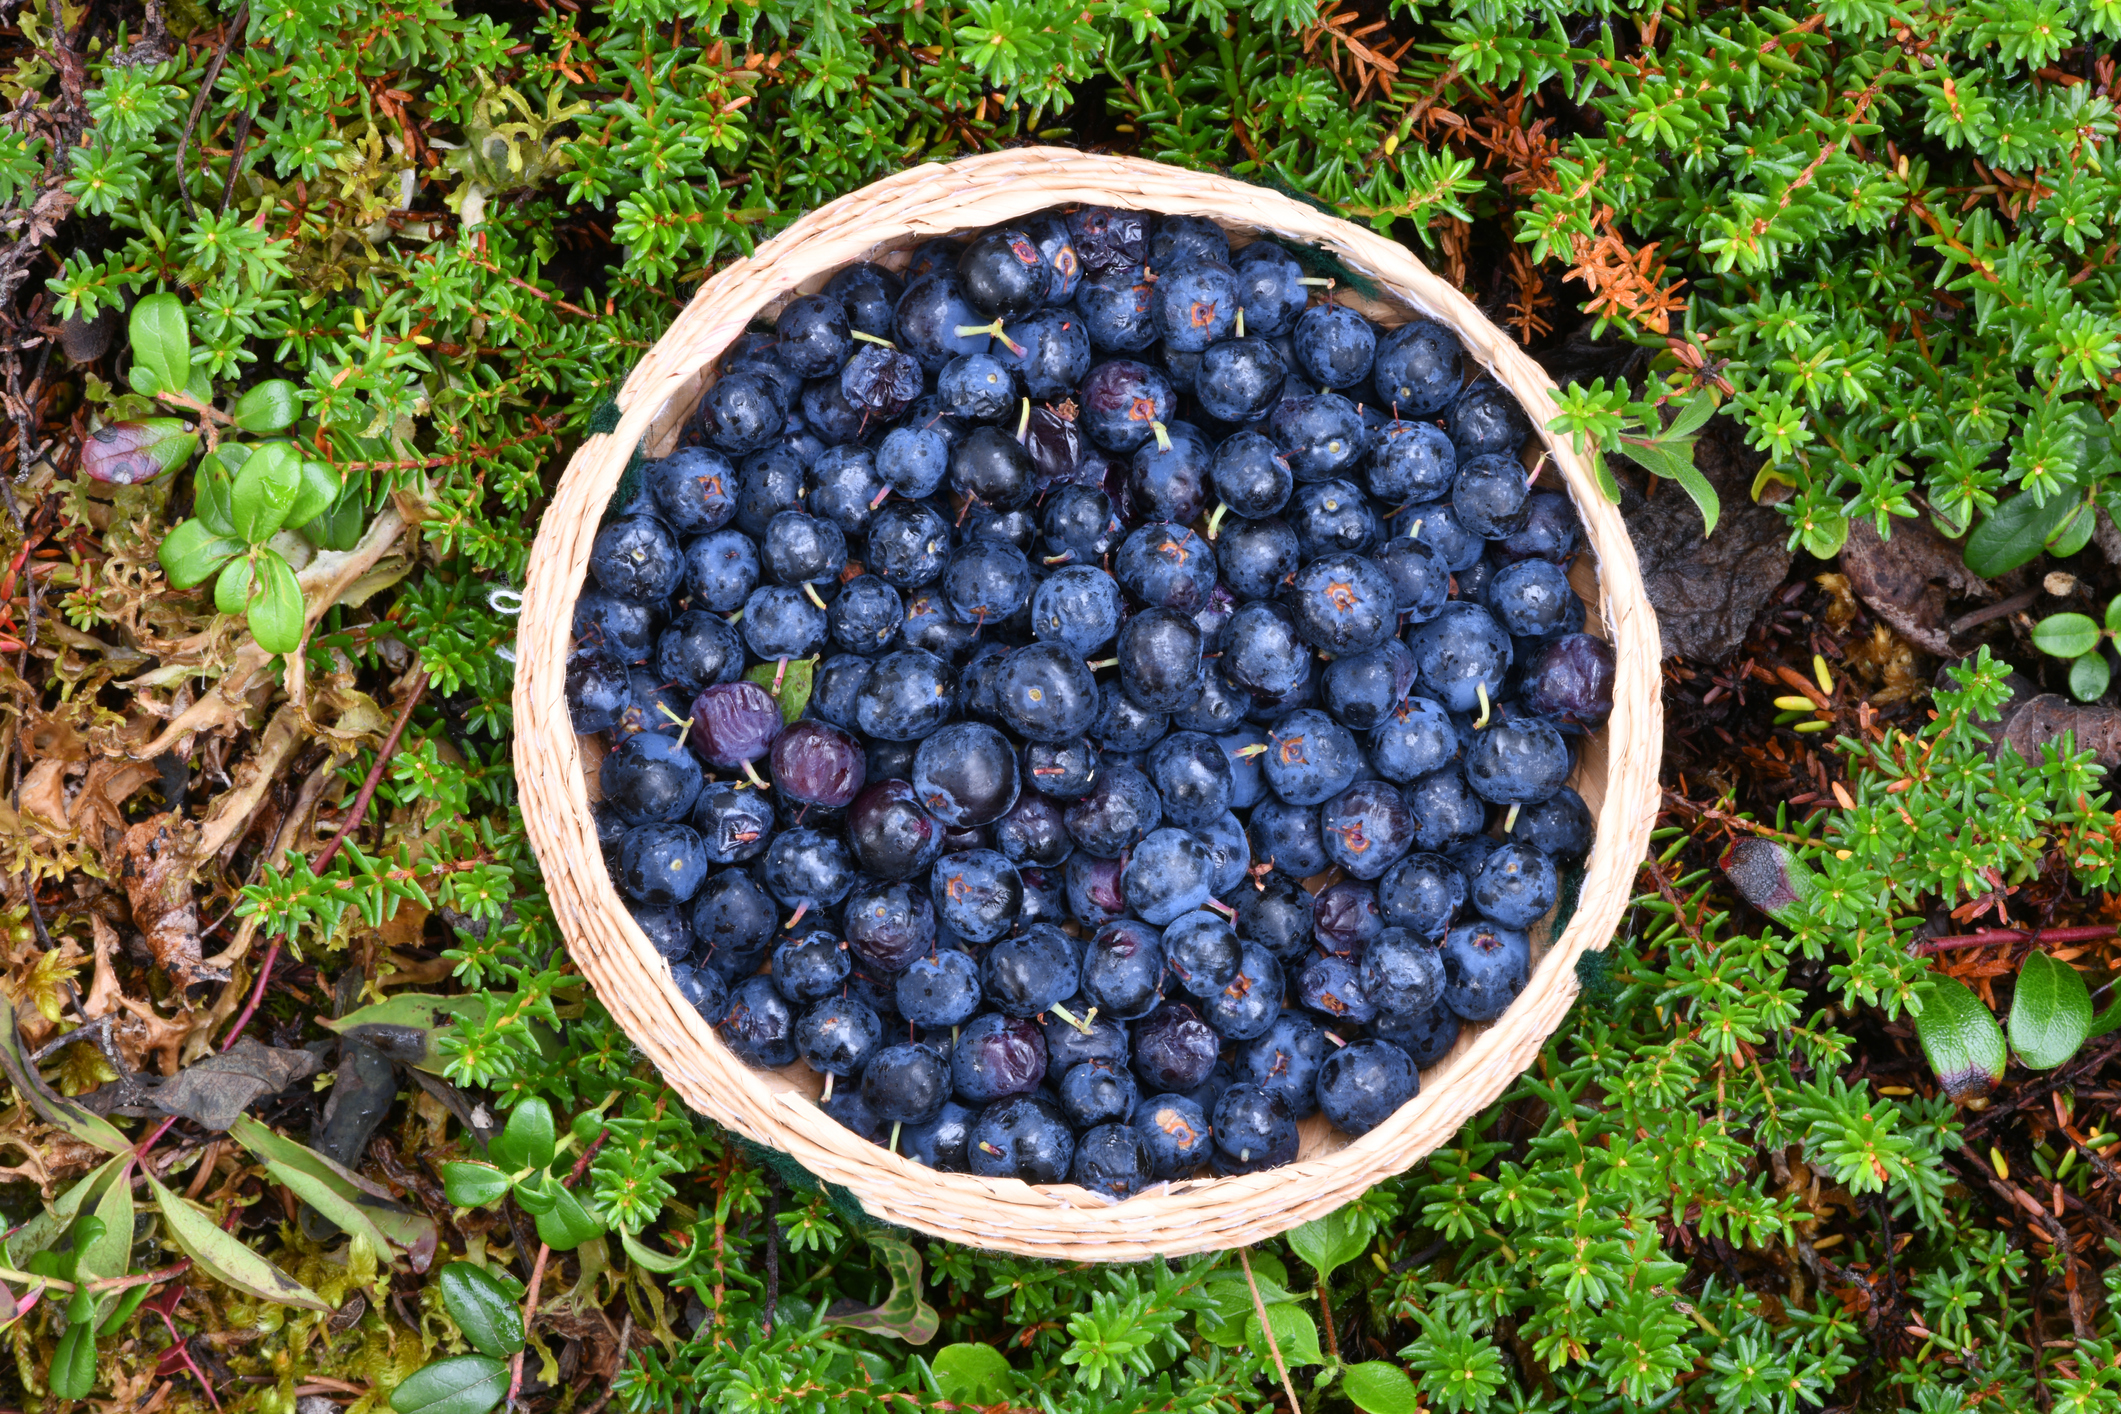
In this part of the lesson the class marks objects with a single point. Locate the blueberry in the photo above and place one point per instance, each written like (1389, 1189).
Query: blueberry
(868, 294)
(1570, 680)
(1107, 239)
(1079, 525)
(1159, 659)
(978, 387)
(1277, 914)
(865, 616)
(1310, 758)
(1515, 886)
(1254, 1130)
(1437, 526)
(1486, 420)
(1122, 970)
(851, 1112)
(1092, 887)
(760, 356)
(1419, 576)
(1270, 288)
(930, 313)
(1333, 516)
(940, 1143)
(1346, 918)
(805, 868)
(1417, 368)
(1426, 1037)
(1004, 273)
(1344, 604)
(1097, 1092)
(1052, 352)
(977, 894)
(1411, 462)
(694, 490)
(934, 627)
(1366, 828)
(758, 1026)
(1049, 232)
(1284, 1062)
(1321, 435)
(909, 693)
(912, 460)
(1079, 607)
(1422, 894)
(906, 1084)
(1489, 495)
(1173, 1049)
(741, 413)
(1366, 689)
(814, 335)
(1464, 656)
(1124, 403)
(667, 929)
(704, 988)
(843, 488)
(889, 925)
(1416, 738)
(1174, 1133)
(1062, 770)
(810, 968)
(649, 778)
(1484, 968)
(1117, 310)
(838, 1036)
(1552, 531)
(939, 990)
(1166, 566)
(1044, 693)
(1030, 972)
(1215, 708)
(1023, 1137)
(1263, 651)
(1180, 240)
(831, 417)
(997, 1056)
(1403, 973)
(1332, 986)
(1111, 1159)
(1519, 761)
(635, 557)
(1248, 1003)
(697, 651)
(1334, 345)
(598, 689)
(1096, 1038)
(1362, 1085)
(624, 628)
(1287, 836)
(1445, 809)
(1559, 826)
(936, 256)
(893, 836)
(1033, 833)
(1193, 776)
(733, 922)
(1167, 874)
(1239, 380)
(1168, 480)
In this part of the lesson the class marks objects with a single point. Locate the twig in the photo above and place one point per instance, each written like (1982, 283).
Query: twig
(324, 856)
(1988, 937)
(1259, 1308)
(184, 1351)
(530, 1313)
(1993, 611)
(198, 106)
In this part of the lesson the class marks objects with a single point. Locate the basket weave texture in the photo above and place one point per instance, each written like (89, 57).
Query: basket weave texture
(1617, 775)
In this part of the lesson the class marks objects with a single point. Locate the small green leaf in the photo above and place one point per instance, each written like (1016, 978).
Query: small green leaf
(1295, 1334)
(320, 489)
(74, 1362)
(794, 694)
(2107, 1021)
(128, 453)
(2089, 675)
(1608, 487)
(482, 1309)
(2074, 533)
(1331, 1242)
(474, 1185)
(527, 1142)
(566, 1225)
(269, 407)
(2051, 1012)
(1824, 535)
(642, 1255)
(1698, 410)
(412, 1231)
(1673, 459)
(1380, 1387)
(191, 552)
(276, 613)
(903, 1313)
(973, 1374)
(538, 1194)
(212, 488)
(161, 341)
(335, 1206)
(338, 528)
(54, 1219)
(1961, 1039)
(2065, 635)
(2113, 615)
(236, 587)
(85, 1125)
(264, 491)
(406, 1027)
(2015, 533)
(462, 1384)
(225, 1256)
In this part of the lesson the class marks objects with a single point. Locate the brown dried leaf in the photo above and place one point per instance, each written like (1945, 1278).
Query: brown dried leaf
(158, 880)
(217, 1090)
(1907, 580)
(99, 807)
(44, 792)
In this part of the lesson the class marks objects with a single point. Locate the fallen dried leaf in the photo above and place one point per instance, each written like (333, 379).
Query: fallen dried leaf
(158, 879)
(1907, 580)
(215, 1091)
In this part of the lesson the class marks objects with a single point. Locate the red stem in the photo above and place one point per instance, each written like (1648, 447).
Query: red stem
(185, 1352)
(1992, 936)
(325, 855)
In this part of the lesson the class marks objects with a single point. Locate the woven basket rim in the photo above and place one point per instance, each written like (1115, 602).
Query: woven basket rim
(1058, 1221)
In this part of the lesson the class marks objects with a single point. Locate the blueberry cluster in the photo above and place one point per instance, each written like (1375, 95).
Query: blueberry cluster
(1143, 582)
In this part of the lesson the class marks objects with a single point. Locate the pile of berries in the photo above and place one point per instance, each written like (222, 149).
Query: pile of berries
(1143, 582)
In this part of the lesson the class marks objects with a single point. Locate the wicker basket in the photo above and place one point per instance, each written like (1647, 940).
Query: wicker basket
(1617, 775)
